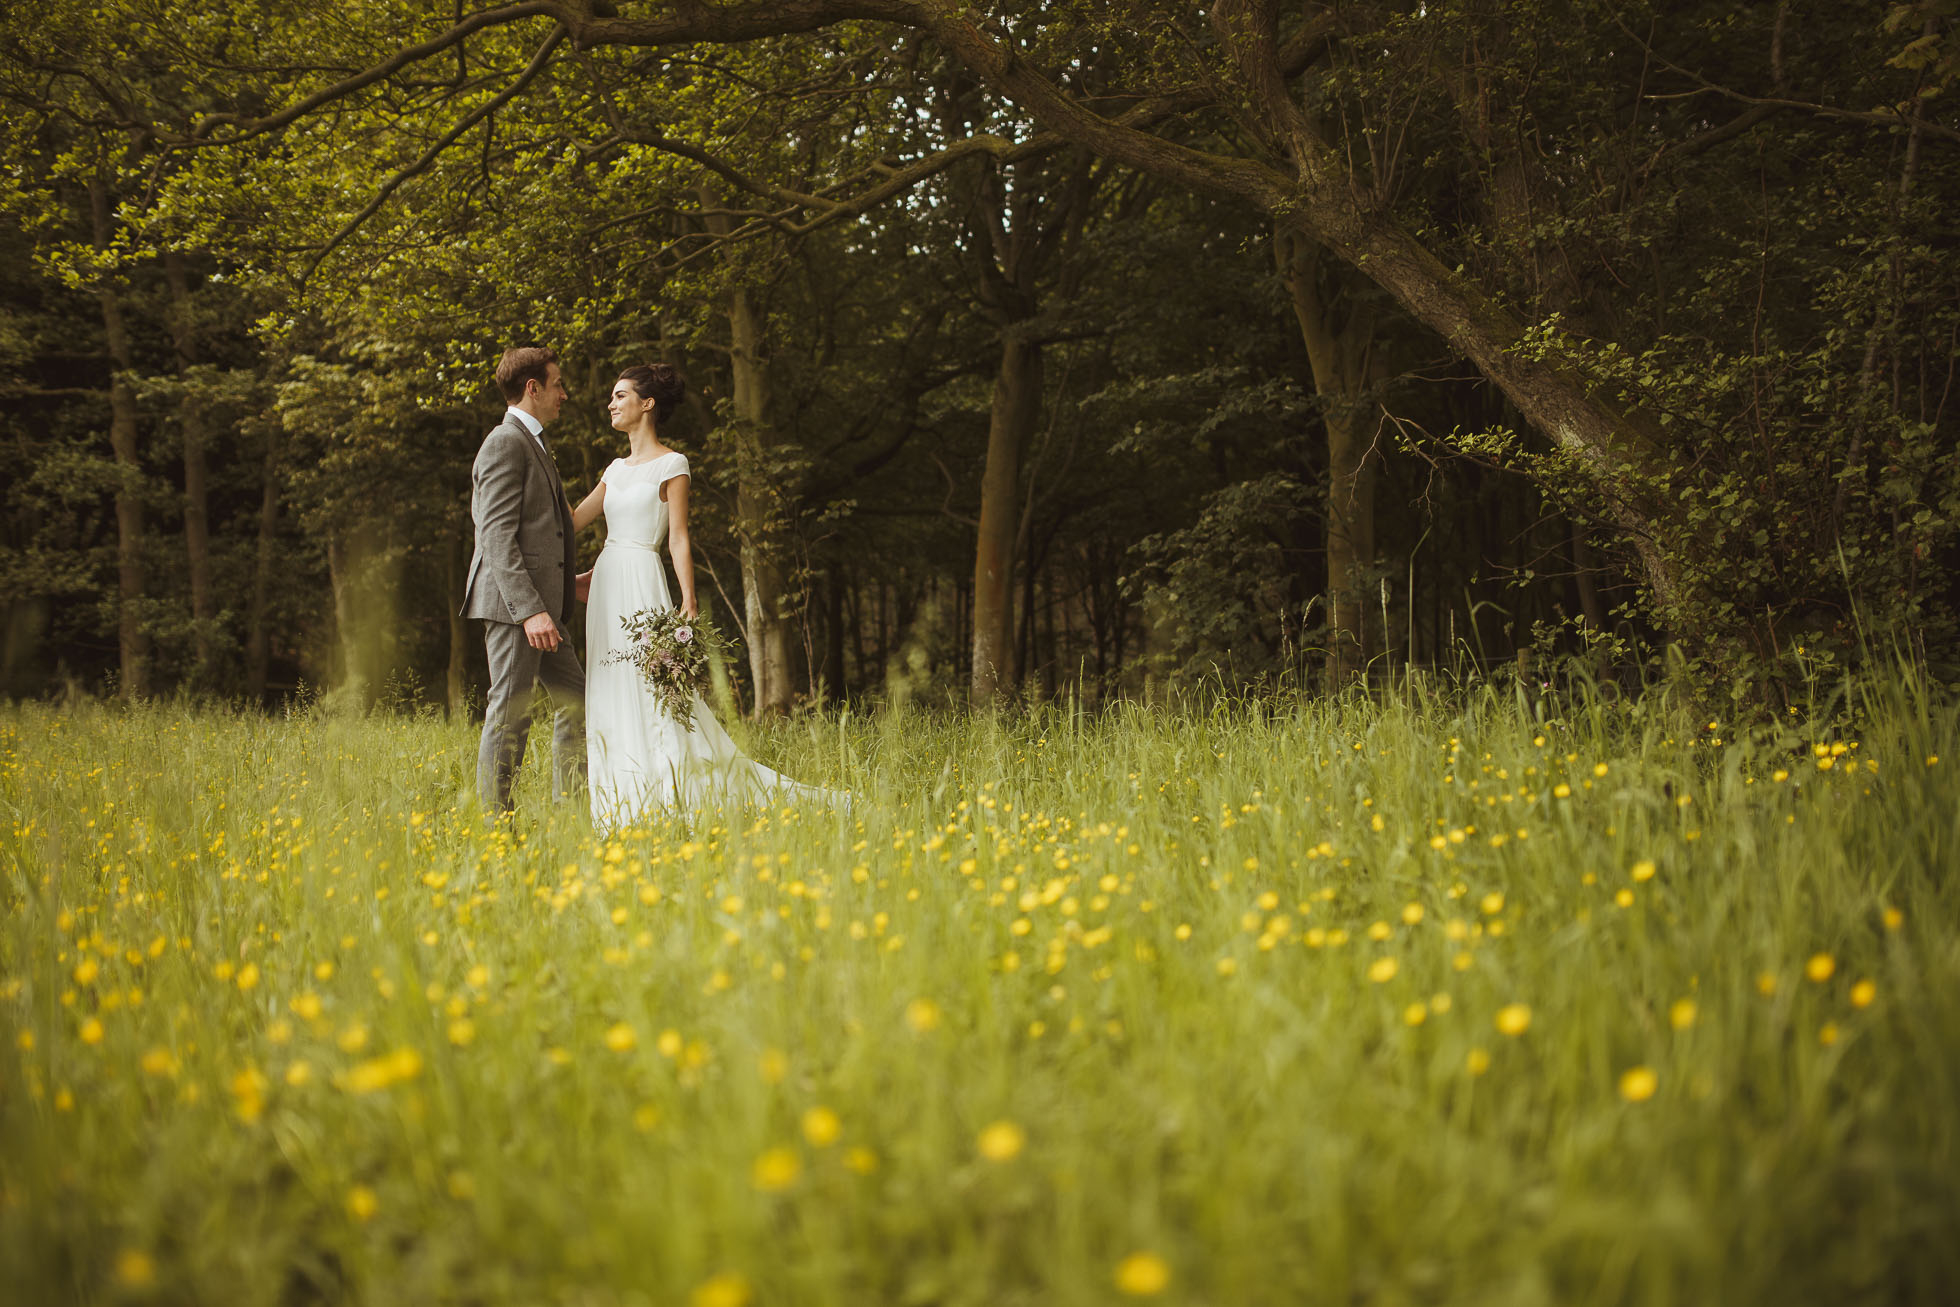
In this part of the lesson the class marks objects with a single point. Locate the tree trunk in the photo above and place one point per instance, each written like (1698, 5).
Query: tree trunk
(257, 640)
(1311, 191)
(757, 509)
(194, 420)
(457, 677)
(1026, 657)
(1582, 577)
(354, 678)
(1016, 406)
(132, 639)
(856, 608)
(833, 635)
(1345, 360)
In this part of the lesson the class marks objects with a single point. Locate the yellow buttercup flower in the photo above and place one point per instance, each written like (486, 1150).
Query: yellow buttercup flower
(821, 1127)
(1643, 869)
(383, 1072)
(1477, 1061)
(1002, 1141)
(1863, 993)
(1638, 1084)
(776, 1170)
(1383, 970)
(620, 1038)
(922, 1014)
(1142, 1275)
(1821, 967)
(248, 1090)
(725, 1290)
(1513, 1019)
(1682, 1014)
(135, 1269)
(361, 1203)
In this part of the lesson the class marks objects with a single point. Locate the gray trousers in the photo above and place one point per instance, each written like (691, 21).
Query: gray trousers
(516, 670)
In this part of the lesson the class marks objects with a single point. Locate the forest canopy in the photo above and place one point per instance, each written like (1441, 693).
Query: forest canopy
(1038, 349)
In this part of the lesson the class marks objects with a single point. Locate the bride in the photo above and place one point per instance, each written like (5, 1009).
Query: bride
(638, 757)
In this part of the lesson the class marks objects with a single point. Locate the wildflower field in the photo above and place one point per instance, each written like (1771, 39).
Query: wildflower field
(1448, 998)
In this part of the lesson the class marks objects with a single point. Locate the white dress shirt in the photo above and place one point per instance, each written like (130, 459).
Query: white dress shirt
(529, 423)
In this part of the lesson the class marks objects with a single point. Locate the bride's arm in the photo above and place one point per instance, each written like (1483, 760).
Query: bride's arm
(589, 508)
(678, 548)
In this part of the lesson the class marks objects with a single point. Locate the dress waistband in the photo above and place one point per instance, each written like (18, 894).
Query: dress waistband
(632, 544)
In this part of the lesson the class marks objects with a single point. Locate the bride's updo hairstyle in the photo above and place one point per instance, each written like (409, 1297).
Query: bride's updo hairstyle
(659, 383)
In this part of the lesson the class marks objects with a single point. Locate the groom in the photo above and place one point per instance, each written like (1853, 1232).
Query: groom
(521, 582)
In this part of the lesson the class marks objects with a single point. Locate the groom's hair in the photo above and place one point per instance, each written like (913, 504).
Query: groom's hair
(517, 366)
(659, 383)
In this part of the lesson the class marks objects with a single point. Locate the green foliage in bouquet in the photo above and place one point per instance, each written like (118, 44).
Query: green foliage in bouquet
(673, 654)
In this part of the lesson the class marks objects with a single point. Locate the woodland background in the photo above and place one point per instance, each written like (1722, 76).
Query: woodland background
(1035, 349)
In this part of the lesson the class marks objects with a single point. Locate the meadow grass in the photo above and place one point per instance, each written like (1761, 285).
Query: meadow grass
(1448, 998)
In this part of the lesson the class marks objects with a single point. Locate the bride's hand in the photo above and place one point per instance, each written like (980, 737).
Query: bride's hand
(690, 609)
(582, 585)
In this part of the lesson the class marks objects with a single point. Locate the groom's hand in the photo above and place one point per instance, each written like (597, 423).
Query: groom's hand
(582, 585)
(542, 632)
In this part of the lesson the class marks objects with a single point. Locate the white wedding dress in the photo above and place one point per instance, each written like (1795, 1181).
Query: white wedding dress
(639, 760)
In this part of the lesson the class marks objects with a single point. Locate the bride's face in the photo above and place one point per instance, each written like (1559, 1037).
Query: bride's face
(626, 406)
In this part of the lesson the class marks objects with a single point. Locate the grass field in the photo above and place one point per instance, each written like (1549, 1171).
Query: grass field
(1437, 1000)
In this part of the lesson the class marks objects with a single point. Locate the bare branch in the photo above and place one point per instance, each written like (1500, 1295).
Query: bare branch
(250, 127)
(1890, 118)
(537, 65)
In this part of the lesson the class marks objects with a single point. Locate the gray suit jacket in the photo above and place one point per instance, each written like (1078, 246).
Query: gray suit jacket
(525, 553)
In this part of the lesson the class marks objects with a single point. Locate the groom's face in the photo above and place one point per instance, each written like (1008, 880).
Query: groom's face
(547, 397)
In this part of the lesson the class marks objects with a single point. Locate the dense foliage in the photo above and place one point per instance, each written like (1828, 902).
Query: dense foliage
(1184, 342)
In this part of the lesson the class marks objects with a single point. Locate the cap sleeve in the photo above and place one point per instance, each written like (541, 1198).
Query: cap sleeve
(606, 477)
(674, 466)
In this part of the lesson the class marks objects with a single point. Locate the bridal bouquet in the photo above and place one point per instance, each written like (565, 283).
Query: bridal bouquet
(673, 654)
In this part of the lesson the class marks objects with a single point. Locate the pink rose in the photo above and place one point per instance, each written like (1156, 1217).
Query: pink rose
(683, 634)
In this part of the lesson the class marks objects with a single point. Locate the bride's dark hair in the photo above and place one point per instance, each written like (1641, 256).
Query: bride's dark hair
(659, 383)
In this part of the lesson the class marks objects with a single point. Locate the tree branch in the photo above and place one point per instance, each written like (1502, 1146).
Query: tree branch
(246, 128)
(537, 65)
(1894, 118)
